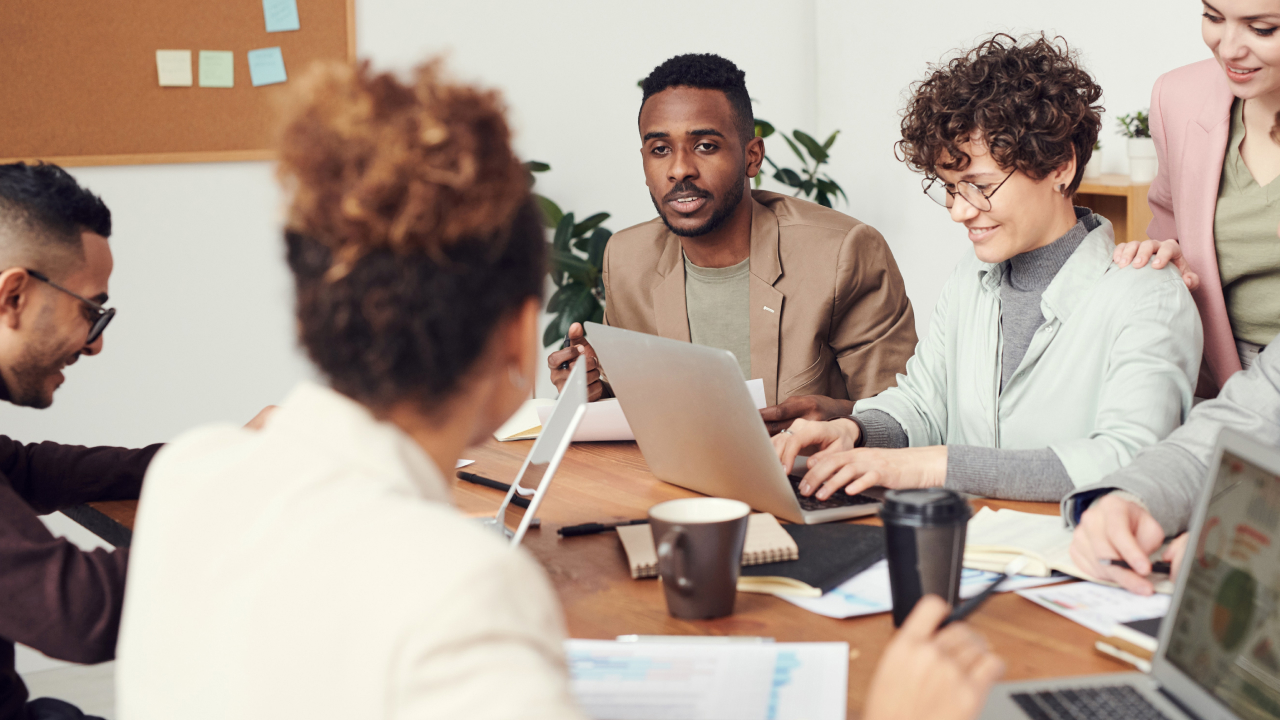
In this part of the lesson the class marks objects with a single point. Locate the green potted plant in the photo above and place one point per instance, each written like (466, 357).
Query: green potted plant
(809, 182)
(1142, 149)
(574, 262)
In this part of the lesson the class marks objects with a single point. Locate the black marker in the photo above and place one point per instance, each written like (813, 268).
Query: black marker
(593, 528)
(481, 480)
(1157, 566)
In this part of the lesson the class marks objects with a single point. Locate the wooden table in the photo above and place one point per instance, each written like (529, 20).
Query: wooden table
(606, 481)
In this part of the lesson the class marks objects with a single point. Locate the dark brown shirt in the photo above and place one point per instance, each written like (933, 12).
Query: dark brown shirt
(54, 597)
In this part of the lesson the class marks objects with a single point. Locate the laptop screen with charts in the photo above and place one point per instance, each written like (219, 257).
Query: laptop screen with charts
(544, 457)
(1224, 640)
(1219, 647)
(697, 426)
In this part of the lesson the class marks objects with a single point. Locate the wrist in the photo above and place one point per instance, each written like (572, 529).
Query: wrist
(938, 466)
(849, 429)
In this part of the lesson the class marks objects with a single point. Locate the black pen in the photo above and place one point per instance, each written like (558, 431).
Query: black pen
(1157, 566)
(565, 365)
(966, 608)
(593, 528)
(481, 480)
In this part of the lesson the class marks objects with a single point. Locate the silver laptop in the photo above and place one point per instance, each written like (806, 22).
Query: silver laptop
(544, 457)
(697, 427)
(1219, 647)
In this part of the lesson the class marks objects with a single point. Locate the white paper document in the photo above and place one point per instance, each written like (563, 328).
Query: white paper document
(1098, 607)
(606, 422)
(723, 681)
(524, 425)
(868, 592)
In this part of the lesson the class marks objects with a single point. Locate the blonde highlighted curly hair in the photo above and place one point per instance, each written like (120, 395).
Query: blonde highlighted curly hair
(370, 162)
(411, 232)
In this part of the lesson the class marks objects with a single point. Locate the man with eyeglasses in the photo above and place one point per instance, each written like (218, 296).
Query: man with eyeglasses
(1046, 367)
(55, 263)
(806, 298)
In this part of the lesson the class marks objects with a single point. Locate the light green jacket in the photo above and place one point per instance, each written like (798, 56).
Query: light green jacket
(1111, 370)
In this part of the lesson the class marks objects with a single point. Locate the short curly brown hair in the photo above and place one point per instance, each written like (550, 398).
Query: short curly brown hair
(1030, 100)
(411, 230)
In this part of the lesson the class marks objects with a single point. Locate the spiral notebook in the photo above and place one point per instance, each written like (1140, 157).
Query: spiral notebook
(766, 542)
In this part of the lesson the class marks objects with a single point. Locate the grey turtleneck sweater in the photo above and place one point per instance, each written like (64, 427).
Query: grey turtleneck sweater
(1000, 472)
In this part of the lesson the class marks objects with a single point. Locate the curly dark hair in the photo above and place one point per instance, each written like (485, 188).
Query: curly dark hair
(708, 72)
(411, 230)
(44, 209)
(1031, 101)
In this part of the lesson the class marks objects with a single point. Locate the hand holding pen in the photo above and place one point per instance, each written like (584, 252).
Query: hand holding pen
(560, 362)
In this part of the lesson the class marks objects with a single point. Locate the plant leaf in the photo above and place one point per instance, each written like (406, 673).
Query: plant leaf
(598, 315)
(552, 335)
(535, 166)
(580, 270)
(559, 298)
(763, 128)
(807, 186)
(787, 176)
(830, 141)
(589, 224)
(832, 187)
(551, 212)
(595, 248)
(582, 308)
(815, 150)
(796, 150)
(822, 199)
(564, 231)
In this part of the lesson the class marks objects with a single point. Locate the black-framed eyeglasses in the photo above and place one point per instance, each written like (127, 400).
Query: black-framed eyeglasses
(975, 195)
(101, 318)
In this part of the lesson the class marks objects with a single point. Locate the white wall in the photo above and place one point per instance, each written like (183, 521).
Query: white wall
(204, 331)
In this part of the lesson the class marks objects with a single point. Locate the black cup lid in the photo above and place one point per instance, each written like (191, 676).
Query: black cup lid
(924, 506)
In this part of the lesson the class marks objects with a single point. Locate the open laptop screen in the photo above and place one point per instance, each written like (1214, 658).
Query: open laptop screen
(1226, 634)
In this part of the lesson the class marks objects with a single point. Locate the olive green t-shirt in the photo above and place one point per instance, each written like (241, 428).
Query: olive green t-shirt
(719, 305)
(1244, 229)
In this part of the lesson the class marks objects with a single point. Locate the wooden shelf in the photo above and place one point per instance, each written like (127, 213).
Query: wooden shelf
(1120, 200)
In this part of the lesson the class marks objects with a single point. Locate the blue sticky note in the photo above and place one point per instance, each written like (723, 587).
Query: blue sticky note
(281, 15)
(266, 67)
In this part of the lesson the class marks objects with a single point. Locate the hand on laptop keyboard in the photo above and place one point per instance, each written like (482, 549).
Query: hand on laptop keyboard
(930, 675)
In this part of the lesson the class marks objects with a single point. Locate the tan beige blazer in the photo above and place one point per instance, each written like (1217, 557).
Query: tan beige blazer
(829, 313)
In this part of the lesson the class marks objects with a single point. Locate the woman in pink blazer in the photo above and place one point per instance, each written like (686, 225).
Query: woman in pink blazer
(1191, 114)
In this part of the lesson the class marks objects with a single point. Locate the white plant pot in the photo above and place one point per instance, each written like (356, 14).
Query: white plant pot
(1093, 168)
(1142, 160)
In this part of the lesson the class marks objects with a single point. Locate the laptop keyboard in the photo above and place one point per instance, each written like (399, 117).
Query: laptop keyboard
(837, 499)
(1103, 703)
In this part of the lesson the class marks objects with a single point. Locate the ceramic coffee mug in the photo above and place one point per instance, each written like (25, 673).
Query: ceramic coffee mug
(699, 542)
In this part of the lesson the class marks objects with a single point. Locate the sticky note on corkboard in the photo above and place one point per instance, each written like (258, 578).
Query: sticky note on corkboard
(217, 68)
(266, 66)
(174, 68)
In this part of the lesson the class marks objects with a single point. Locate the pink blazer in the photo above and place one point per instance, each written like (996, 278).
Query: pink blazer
(1190, 122)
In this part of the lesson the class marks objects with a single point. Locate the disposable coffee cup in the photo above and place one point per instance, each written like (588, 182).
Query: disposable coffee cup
(699, 544)
(924, 541)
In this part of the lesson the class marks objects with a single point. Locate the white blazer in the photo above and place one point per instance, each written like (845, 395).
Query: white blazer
(316, 569)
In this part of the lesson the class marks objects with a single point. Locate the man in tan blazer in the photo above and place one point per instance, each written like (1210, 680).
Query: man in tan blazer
(807, 298)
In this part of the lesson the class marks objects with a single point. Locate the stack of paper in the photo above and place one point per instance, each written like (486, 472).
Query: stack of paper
(868, 593)
(996, 537)
(709, 681)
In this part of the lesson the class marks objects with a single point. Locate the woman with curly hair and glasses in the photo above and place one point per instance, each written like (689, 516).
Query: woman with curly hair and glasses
(1046, 366)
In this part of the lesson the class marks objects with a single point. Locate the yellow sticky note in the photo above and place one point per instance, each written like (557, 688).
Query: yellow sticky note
(174, 68)
(217, 69)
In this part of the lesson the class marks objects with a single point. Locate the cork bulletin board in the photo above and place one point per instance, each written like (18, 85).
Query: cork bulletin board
(79, 82)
